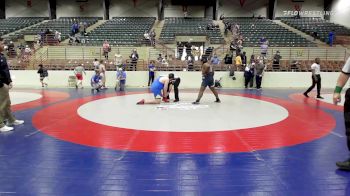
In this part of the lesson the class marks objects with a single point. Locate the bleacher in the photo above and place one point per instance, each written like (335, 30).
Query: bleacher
(62, 25)
(12, 24)
(189, 26)
(310, 24)
(121, 31)
(253, 29)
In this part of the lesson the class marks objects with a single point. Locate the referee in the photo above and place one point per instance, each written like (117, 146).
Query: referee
(316, 78)
(343, 78)
(176, 82)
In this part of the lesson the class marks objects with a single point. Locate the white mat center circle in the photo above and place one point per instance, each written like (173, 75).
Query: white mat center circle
(233, 113)
(23, 97)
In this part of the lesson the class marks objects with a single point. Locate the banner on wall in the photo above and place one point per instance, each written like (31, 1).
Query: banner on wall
(29, 3)
(82, 4)
(241, 2)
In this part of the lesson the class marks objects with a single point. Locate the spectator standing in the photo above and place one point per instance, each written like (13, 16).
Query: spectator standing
(249, 74)
(252, 63)
(331, 38)
(238, 61)
(151, 72)
(315, 34)
(43, 73)
(134, 57)
(153, 38)
(190, 63)
(5, 101)
(259, 72)
(244, 58)
(106, 49)
(264, 46)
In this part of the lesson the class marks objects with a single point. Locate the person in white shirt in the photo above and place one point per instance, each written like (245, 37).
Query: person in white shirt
(118, 59)
(342, 80)
(102, 70)
(316, 78)
(79, 71)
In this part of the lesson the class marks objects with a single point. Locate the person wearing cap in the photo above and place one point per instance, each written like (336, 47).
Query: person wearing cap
(159, 88)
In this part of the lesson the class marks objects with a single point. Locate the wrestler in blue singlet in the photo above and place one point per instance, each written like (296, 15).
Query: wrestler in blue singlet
(157, 88)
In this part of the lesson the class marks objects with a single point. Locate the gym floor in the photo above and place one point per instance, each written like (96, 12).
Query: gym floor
(267, 142)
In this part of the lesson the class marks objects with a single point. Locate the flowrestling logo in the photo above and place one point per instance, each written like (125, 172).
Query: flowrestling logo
(308, 13)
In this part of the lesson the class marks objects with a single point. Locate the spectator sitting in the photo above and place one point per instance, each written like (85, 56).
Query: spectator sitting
(58, 36)
(165, 61)
(146, 36)
(215, 60)
(295, 65)
(222, 17)
(276, 61)
(75, 28)
(160, 58)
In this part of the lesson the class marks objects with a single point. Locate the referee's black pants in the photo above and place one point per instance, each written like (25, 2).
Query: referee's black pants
(176, 89)
(315, 81)
(347, 116)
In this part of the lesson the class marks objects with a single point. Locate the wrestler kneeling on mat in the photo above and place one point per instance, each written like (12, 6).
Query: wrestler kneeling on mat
(159, 85)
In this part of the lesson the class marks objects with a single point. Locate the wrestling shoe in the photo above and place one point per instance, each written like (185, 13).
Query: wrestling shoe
(344, 165)
(319, 97)
(195, 103)
(141, 102)
(16, 122)
(6, 129)
(305, 94)
(217, 101)
(165, 100)
(176, 100)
